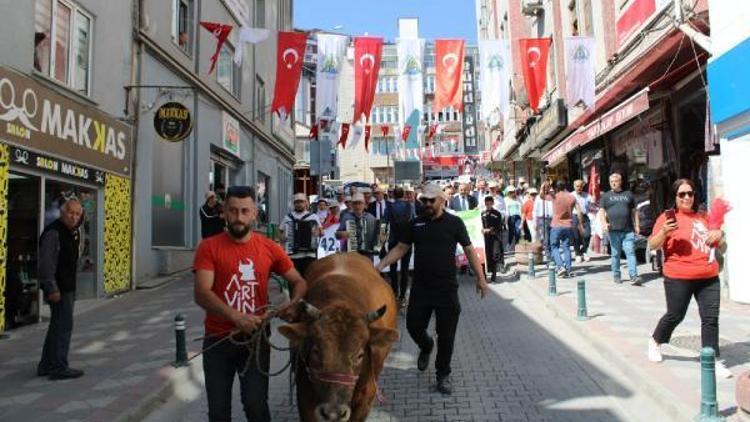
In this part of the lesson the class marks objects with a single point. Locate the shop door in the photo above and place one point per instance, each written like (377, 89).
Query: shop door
(55, 194)
(21, 288)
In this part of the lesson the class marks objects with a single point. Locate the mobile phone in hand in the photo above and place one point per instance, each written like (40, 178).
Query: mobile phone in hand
(670, 214)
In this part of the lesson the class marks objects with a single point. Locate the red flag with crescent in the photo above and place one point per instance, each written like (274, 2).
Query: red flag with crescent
(384, 130)
(534, 54)
(367, 54)
(431, 132)
(449, 70)
(344, 134)
(405, 133)
(290, 54)
(367, 137)
(314, 132)
(221, 32)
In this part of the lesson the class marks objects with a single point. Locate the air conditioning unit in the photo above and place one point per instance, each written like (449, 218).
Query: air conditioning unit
(532, 7)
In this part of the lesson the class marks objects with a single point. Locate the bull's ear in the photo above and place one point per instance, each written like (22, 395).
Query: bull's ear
(381, 337)
(296, 332)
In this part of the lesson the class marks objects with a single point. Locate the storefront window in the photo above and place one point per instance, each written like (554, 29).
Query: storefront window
(262, 196)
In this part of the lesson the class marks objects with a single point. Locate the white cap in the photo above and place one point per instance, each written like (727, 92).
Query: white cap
(358, 197)
(299, 197)
(431, 190)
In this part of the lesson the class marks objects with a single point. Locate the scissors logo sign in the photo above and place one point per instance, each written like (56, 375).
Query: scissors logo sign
(11, 111)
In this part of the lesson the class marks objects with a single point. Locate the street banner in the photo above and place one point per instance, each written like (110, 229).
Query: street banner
(314, 131)
(473, 221)
(328, 245)
(411, 139)
(410, 76)
(221, 32)
(495, 82)
(579, 59)
(534, 55)
(449, 69)
(355, 135)
(344, 134)
(432, 131)
(290, 53)
(331, 51)
(367, 55)
(248, 35)
(384, 130)
(405, 133)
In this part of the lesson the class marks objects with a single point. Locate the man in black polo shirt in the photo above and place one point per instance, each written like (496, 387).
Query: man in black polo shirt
(434, 235)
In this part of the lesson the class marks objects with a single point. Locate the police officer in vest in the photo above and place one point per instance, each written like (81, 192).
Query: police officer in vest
(58, 264)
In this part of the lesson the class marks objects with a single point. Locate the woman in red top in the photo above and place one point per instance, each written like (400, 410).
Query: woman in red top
(689, 269)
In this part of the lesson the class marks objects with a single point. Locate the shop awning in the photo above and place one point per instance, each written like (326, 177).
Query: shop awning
(615, 117)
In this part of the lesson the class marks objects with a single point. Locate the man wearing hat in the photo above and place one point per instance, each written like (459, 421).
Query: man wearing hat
(212, 220)
(434, 236)
(362, 219)
(300, 231)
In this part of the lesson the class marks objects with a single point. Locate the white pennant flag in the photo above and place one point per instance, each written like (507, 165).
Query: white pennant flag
(248, 35)
(331, 51)
(355, 135)
(495, 82)
(579, 59)
(410, 76)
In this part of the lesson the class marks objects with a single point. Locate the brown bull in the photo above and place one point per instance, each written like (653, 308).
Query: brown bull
(346, 333)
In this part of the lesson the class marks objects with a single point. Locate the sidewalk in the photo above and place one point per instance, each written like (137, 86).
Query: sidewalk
(124, 344)
(621, 319)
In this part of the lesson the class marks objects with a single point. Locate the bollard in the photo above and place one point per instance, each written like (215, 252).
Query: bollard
(532, 271)
(582, 312)
(552, 285)
(709, 406)
(179, 335)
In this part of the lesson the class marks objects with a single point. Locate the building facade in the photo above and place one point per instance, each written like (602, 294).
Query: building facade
(64, 134)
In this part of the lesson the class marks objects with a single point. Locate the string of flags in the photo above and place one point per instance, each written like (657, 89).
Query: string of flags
(494, 60)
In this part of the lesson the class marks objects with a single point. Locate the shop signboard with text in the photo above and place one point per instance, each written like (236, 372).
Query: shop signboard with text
(230, 133)
(29, 159)
(634, 16)
(38, 118)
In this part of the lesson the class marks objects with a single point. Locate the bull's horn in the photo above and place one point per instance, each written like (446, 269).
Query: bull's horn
(375, 315)
(310, 310)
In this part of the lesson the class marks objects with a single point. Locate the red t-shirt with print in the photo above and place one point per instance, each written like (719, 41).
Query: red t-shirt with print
(241, 272)
(686, 253)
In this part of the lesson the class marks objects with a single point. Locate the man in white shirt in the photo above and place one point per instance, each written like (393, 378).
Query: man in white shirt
(543, 215)
(581, 240)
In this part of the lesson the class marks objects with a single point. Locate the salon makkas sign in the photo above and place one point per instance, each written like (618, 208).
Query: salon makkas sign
(36, 117)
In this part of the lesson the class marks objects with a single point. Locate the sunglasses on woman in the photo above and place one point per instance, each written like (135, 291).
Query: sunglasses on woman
(689, 194)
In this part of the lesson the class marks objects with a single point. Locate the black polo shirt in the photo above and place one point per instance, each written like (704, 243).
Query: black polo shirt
(435, 256)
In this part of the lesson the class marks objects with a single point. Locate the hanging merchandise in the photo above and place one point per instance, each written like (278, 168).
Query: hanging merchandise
(248, 35)
(449, 70)
(331, 52)
(367, 55)
(289, 59)
(534, 55)
(221, 32)
(579, 59)
(410, 79)
(344, 134)
(495, 81)
(367, 138)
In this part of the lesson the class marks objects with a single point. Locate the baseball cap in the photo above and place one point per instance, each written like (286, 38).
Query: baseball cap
(510, 189)
(431, 190)
(358, 197)
(299, 197)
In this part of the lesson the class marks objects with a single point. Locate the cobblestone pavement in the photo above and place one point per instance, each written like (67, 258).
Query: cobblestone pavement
(513, 362)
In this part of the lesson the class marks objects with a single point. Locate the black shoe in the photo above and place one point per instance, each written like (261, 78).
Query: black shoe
(423, 360)
(41, 372)
(444, 385)
(618, 280)
(637, 281)
(493, 279)
(67, 373)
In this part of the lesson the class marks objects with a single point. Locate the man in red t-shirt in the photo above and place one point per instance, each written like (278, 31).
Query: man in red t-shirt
(561, 232)
(231, 283)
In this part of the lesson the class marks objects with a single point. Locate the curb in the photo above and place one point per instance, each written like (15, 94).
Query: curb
(666, 401)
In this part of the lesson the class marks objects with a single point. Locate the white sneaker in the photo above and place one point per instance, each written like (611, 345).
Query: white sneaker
(586, 257)
(579, 259)
(654, 351)
(722, 370)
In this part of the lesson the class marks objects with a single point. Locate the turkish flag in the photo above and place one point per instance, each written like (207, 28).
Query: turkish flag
(367, 138)
(314, 132)
(367, 55)
(405, 133)
(384, 130)
(221, 32)
(534, 54)
(290, 54)
(449, 70)
(431, 132)
(344, 134)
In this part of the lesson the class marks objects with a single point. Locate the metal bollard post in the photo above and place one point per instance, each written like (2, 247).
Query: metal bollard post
(179, 335)
(552, 284)
(582, 312)
(532, 271)
(709, 406)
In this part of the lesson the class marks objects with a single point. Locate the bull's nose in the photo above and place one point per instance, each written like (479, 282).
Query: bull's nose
(333, 412)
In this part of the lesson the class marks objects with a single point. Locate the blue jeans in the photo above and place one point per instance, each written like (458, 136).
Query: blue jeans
(560, 238)
(620, 240)
(514, 230)
(221, 364)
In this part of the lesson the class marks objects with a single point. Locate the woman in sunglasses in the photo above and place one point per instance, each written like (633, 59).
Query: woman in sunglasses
(689, 271)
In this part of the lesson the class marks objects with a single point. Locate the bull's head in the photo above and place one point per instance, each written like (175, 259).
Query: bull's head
(336, 345)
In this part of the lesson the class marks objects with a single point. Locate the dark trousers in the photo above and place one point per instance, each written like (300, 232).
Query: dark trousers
(678, 293)
(492, 255)
(400, 284)
(301, 264)
(220, 365)
(57, 342)
(581, 240)
(514, 231)
(446, 320)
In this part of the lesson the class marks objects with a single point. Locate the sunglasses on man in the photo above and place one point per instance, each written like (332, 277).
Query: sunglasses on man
(427, 200)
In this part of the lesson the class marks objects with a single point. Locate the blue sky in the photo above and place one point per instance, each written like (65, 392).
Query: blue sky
(437, 18)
